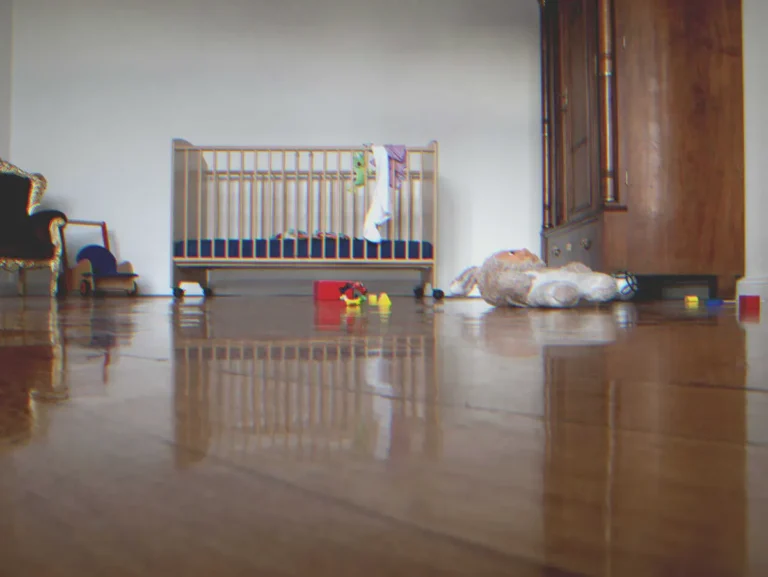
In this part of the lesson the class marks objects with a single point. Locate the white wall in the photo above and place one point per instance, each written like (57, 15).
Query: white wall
(755, 13)
(102, 86)
(755, 45)
(7, 281)
(6, 49)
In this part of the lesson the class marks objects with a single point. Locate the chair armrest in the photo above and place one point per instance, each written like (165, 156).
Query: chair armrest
(40, 224)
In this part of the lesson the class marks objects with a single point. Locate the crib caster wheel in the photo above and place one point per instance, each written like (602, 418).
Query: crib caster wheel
(438, 295)
(178, 293)
(134, 290)
(418, 292)
(207, 292)
(85, 288)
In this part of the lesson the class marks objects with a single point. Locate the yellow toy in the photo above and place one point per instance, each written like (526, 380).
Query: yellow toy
(353, 294)
(351, 302)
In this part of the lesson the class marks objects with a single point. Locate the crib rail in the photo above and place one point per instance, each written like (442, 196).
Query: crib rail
(305, 397)
(297, 205)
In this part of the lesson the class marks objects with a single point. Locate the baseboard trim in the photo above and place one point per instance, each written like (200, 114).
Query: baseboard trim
(754, 286)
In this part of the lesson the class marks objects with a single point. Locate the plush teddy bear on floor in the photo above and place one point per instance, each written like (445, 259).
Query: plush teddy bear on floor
(519, 278)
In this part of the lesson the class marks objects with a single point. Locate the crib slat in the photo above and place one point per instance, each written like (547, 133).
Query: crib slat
(271, 197)
(418, 214)
(321, 197)
(185, 201)
(199, 203)
(242, 198)
(296, 204)
(434, 216)
(257, 207)
(310, 203)
(338, 192)
(285, 203)
(229, 195)
(360, 216)
(409, 220)
(216, 199)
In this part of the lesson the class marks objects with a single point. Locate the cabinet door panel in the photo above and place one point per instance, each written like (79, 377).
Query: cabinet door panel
(681, 135)
(578, 129)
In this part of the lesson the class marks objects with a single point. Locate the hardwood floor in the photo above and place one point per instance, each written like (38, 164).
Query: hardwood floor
(267, 436)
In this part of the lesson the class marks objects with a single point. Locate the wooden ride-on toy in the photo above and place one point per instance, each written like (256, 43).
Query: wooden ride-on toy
(97, 272)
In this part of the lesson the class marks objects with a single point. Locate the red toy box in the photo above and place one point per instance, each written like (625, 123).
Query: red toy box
(328, 290)
(331, 290)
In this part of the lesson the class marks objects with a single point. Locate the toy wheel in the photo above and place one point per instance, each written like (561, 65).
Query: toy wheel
(178, 292)
(85, 288)
(207, 292)
(134, 290)
(438, 295)
(418, 292)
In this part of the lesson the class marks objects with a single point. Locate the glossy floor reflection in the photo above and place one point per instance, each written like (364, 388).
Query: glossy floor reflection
(272, 437)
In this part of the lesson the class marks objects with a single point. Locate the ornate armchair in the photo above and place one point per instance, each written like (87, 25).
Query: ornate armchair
(28, 239)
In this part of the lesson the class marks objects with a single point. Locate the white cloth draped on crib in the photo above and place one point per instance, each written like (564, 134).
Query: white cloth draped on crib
(379, 212)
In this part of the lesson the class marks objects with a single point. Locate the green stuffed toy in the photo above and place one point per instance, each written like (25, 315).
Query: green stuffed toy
(359, 163)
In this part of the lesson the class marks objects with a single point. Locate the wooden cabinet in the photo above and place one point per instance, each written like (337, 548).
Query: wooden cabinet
(643, 142)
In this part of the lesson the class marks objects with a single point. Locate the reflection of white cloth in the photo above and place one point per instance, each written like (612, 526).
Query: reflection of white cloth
(585, 328)
(379, 212)
(382, 404)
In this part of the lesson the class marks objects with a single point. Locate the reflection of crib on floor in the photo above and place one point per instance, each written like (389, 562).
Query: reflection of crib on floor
(305, 399)
(257, 207)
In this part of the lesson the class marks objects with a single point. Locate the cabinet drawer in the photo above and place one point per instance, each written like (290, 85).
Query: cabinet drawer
(556, 246)
(578, 243)
(588, 245)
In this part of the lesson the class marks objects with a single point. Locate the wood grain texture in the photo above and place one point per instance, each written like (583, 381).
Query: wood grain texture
(607, 101)
(681, 136)
(546, 65)
(236, 437)
(579, 129)
(623, 383)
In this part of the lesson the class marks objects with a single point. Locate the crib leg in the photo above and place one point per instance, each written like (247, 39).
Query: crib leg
(428, 279)
(206, 283)
(178, 278)
(199, 276)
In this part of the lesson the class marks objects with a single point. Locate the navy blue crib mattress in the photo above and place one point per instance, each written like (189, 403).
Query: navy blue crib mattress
(315, 248)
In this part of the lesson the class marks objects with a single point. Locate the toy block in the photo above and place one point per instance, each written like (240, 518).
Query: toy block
(749, 303)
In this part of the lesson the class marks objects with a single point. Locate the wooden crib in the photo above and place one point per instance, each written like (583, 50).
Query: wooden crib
(260, 207)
